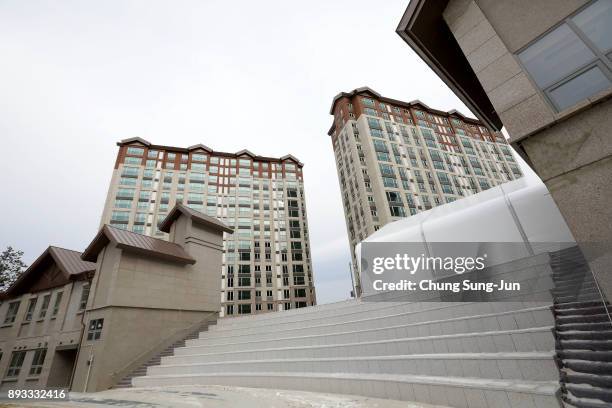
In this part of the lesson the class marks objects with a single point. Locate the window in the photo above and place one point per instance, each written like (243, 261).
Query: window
(135, 151)
(244, 309)
(31, 307)
(132, 160)
(15, 365)
(44, 307)
(84, 297)
(572, 62)
(198, 157)
(38, 361)
(95, 329)
(56, 305)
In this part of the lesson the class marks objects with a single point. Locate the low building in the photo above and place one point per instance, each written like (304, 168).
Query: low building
(85, 321)
(542, 69)
(42, 320)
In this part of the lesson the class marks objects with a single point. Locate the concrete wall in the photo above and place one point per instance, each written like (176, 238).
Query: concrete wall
(128, 333)
(145, 301)
(570, 150)
(52, 332)
(200, 282)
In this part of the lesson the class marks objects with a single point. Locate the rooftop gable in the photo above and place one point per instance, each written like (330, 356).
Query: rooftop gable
(135, 243)
(196, 216)
(68, 262)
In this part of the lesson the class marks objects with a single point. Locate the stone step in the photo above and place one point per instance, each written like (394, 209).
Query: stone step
(399, 326)
(590, 391)
(578, 304)
(404, 313)
(595, 345)
(598, 326)
(294, 314)
(447, 391)
(584, 318)
(585, 335)
(586, 378)
(361, 308)
(533, 339)
(521, 366)
(586, 355)
(581, 311)
(592, 367)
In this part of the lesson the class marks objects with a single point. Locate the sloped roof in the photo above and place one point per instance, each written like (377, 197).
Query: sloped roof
(415, 102)
(291, 157)
(245, 151)
(69, 262)
(134, 139)
(200, 146)
(196, 217)
(136, 243)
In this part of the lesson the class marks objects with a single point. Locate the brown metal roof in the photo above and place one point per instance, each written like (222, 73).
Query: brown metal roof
(136, 243)
(195, 216)
(68, 262)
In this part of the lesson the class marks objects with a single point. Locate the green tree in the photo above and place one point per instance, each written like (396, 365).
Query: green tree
(11, 267)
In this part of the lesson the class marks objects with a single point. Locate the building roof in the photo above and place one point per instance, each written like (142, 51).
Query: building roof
(423, 28)
(196, 217)
(68, 262)
(208, 149)
(136, 243)
(364, 90)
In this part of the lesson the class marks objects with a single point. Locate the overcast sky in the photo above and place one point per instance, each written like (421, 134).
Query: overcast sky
(77, 76)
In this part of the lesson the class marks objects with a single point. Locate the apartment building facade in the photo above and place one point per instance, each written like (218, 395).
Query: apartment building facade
(542, 69)
(396, 159)
(266, 262)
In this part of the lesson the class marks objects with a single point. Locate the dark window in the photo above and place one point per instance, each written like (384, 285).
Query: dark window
(16, 362)
(38, 361)
(95, 329)
(12, 312)
(31, 307)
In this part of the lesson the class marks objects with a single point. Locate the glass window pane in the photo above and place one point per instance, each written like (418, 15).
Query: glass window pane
(596, 22)
(579, 88)
(555, 56)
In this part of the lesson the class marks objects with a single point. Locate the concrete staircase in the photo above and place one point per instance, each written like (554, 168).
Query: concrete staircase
(583, 332)
(462, 354)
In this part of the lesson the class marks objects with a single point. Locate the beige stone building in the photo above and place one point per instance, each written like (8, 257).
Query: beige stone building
(542, 69)
(86, 321)
(396, 159)
(266, 262)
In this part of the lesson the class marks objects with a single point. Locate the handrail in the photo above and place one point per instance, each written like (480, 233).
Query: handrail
(159, 347)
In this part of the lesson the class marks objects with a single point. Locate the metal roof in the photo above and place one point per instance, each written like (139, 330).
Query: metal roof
(136, 243)
(195, 216)
(68, 261)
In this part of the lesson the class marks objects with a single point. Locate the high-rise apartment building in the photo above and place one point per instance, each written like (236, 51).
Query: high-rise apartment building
(266, 262)
(395, 159)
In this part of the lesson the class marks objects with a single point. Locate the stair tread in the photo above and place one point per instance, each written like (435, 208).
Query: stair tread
(538, 387)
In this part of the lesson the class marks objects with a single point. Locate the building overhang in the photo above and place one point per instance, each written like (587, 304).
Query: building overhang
(423, 27)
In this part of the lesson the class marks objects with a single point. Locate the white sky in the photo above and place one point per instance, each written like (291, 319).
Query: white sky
(77, 76)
